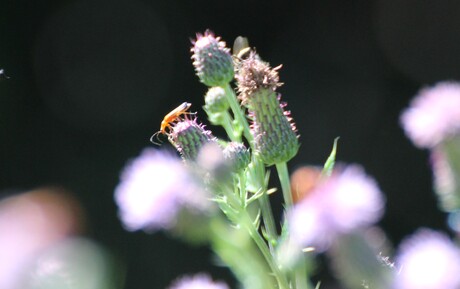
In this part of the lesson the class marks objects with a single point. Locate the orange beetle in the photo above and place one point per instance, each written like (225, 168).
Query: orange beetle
(174, 115)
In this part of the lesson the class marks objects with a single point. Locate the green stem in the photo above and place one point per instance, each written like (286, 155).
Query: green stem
(240, 256)
(259, 185)
(243, 193)
(238, 112)
(227, 125)
(267, 216)
(283, 175)
(300, 275)
(243, 219)
(282, 282)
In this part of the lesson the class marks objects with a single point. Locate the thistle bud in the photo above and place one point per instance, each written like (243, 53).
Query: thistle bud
(253, 74)
(212, 60)
(188, 137)
(238, 156)
(275, 135)
(215, 100)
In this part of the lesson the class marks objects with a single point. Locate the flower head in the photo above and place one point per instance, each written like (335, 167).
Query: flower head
(238, 156)
(154, 188)
(188, 136)
(212, 60)
(346, 201)
(433, 115)
(428, 260)
(254, 74)
(200, 281)
(274, 132)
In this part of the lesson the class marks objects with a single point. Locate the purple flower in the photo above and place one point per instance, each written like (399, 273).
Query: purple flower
(29, 224)
(154, 188)
(428, 260)
(346, 201)
(434, 115)
(200, 281)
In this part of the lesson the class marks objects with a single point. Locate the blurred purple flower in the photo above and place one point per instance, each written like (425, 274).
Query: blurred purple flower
(200, 281)
(29, 224)
(433, 115)
(428, 260)
(154, 188)
(346, 201)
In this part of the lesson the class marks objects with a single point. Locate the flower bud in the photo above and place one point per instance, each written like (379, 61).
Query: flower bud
(253, 74)
(212, 60)
(238, 156)
(188, 137)
(215, 100)
(275, 135)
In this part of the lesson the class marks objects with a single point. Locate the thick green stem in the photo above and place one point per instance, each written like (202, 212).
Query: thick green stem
(242, 218)
(282, 281)
(283, 175)
(240, 256)
(227, 125)
(267, 216)
(300, 275)
(238, 113)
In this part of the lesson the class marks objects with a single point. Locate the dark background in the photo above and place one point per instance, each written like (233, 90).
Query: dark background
(91, 80)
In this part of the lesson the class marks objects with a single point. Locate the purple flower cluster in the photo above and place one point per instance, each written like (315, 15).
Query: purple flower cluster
(340, 204)
(154, 188)
(434, 115)
(428, 260)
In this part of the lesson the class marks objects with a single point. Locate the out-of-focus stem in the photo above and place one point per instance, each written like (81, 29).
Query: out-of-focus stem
(283, 175)
(267, 216)
(246, 222)
(282, 281)
(300, 275)
(240, 256)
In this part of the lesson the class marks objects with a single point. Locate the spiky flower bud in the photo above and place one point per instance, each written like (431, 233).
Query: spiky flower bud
(215, 100)
(275, 135)
(237, 155)
(254, 74)
(212, 60)
(188, 137)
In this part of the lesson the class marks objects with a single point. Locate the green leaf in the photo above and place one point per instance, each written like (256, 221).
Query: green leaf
(330, 162)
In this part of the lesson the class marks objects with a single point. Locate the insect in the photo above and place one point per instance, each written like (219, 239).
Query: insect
(171, 117)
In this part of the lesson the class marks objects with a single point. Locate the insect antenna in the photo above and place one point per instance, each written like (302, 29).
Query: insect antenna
(155, 135)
